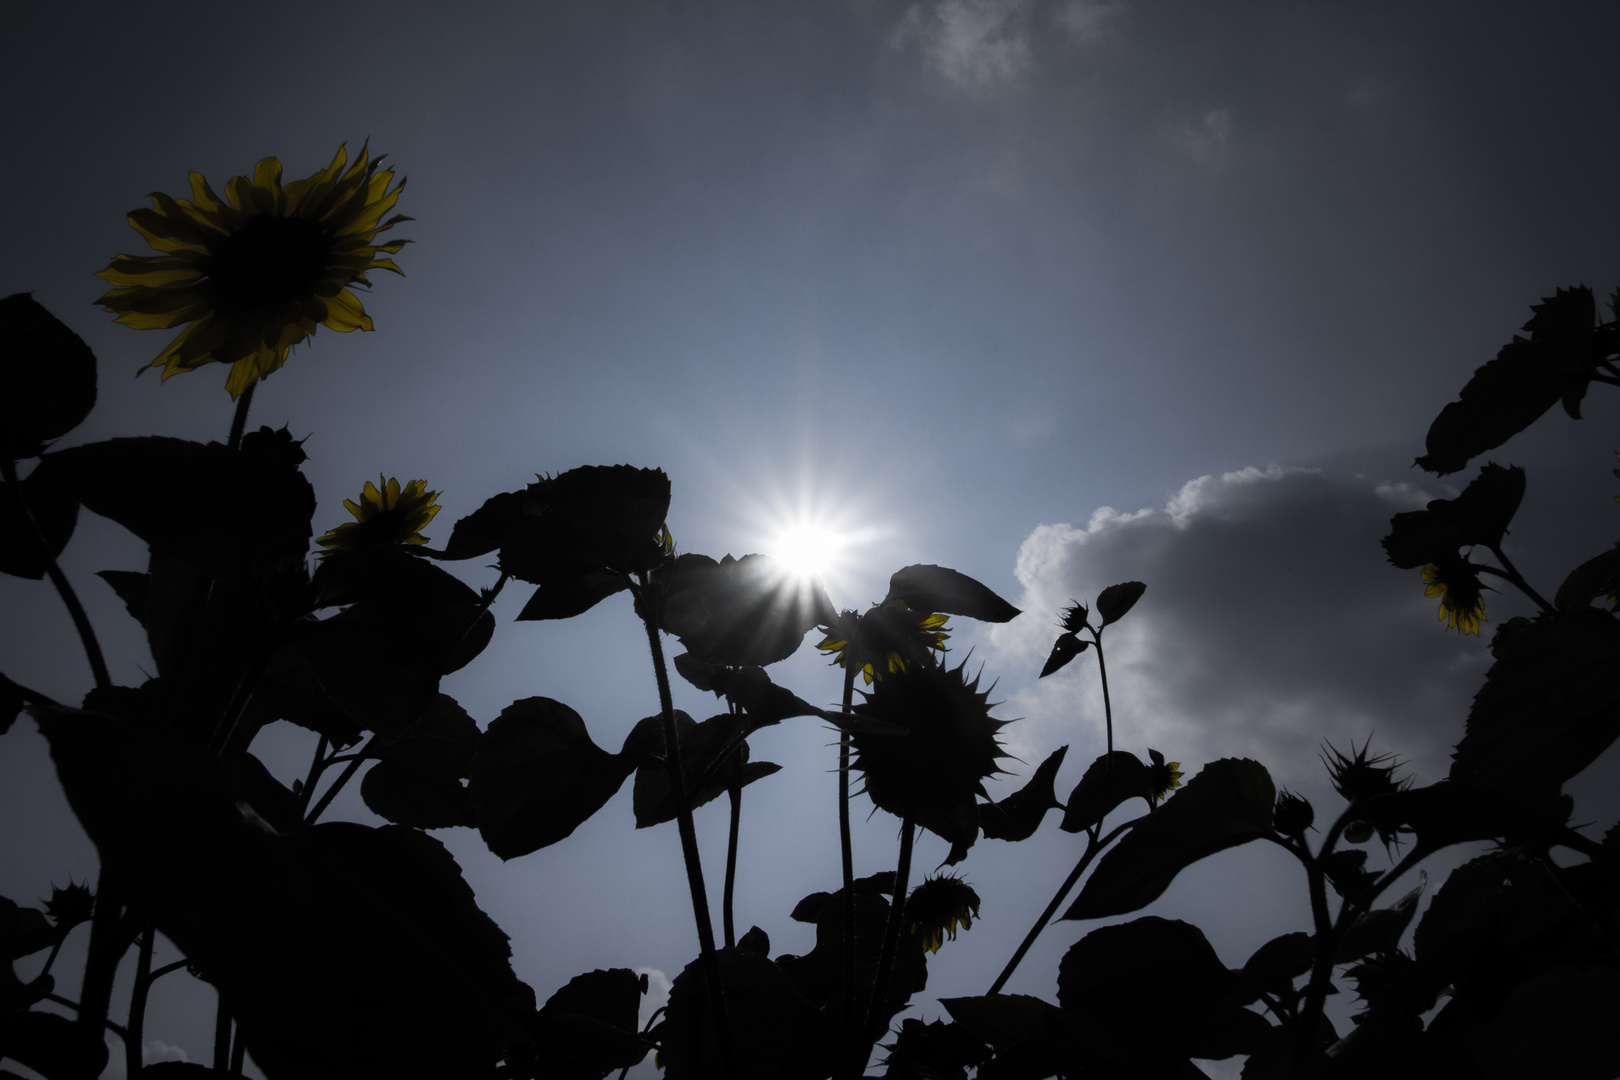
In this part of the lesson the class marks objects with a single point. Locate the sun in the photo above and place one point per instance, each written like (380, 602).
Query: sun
(806, 550)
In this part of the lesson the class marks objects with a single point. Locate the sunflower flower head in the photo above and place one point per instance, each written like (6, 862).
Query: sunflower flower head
(933, 772)
(888, 638)
(385, 515)
(937, 907)
(1163, 776)
(255, 273)
(1461, 596)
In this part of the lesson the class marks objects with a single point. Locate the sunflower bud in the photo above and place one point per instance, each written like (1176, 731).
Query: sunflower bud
(937, 907)
(1292, 815)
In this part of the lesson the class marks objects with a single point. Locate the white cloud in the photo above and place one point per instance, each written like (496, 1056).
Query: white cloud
(657, 995)
(1206, 140)
(973, 44)
(1271, 622)
(1087, 22)
(152, 1052)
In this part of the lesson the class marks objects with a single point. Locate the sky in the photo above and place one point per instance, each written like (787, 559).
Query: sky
(1054, 292)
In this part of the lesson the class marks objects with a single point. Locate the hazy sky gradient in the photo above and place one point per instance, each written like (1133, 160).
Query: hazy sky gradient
(955, 276)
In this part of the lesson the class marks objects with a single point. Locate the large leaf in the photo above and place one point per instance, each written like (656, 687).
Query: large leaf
(589, 1028)
(938, 588)
(1480, 515)
(1116, 601)
(567, 597)
(587, 519)
(1527, 378)
(47, 377)
(1157, 986)
(1004, 1020)
(1227, 804)
(1018, 815)
(537, 776)
(775, 1032)
(54, 511)
(1110, 780)
(1550, 704)
(230, 514)
(418, 780)
(701, 747)
(745, 612)
(344, 950)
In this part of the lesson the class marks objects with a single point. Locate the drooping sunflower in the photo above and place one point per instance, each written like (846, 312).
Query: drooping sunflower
(933, 773)
(1457, 587)
(884, 640)
(257, 272)
(937, 907)
(385, 515)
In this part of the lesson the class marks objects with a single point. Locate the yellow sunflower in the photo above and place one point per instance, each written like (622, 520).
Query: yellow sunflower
(937, 907)
(255, 273)
(886, 638)
(1163, 776)
(1462, 604)
(388, 515)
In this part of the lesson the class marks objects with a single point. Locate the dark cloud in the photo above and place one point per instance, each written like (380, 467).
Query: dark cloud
(1271, 622)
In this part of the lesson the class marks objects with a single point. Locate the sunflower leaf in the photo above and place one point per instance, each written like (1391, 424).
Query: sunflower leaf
(940, 589)
(47, 377)
(1018, 815)
(1228, 803)
(1108, 781)
(739, 612)
(1114, 602)
(1066, 648)
(536, 776)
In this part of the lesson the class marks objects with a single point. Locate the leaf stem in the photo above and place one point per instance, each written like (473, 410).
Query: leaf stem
(1094, 847)
(70, 599)
(689, 849)
(343, 778)
(112, 1026)
(316, 764)
(1108, 705)
(1514, 577)
(877, 1012)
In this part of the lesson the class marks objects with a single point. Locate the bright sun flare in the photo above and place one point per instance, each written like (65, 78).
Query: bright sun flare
(807, 550)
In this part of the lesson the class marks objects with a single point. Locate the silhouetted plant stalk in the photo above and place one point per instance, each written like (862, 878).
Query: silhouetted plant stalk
(734, 794)
(137, 1005)
(877, 1012)
(847, 862)
(1094, 847)
(1510, 573)
(646, 608)
(354, 760)
(239, 417)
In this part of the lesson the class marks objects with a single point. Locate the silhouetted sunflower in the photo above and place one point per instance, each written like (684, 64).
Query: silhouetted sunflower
(255, 273)
(937, 907)
(1163, 777)
(1462, 600)
(884, 640)
(933, 773)
(387, 515)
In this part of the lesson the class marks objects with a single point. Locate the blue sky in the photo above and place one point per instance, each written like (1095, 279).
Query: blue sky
(952, 276)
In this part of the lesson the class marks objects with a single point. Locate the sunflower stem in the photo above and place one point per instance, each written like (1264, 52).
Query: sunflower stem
(70, 599)
(1094, 847)
(689, 849)
(876, 1016)
(735, 792)
(222, 1035)
(239, 418)
(846, 853)
(1108, 705)
(107, 948)
(1326, 940)
(1515, 578)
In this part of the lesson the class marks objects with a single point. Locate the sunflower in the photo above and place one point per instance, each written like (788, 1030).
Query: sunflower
(1163, 776)
(885, 639)
(255, 273)
(937, 907)
(1462, 601)
(932, 773)
(387, 515)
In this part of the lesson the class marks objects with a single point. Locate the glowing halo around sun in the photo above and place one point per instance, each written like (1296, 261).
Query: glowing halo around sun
(806, 550)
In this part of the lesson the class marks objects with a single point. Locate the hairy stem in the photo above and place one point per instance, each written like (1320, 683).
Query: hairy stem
(1094, 847)
(1108, 705)
(735, 792)
(107, 947)
(846, 853)
(137, 1006)
(877, 1012)
(70, 599)
(689, 849)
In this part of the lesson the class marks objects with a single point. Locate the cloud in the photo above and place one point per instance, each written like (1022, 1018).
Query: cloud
(1087, 22)
(152, 1052)
(1206, 140)
(975, 45)
(657, 996)
(1271, 623)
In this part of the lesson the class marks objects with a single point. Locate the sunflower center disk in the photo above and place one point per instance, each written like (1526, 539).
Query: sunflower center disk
(267, 264)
